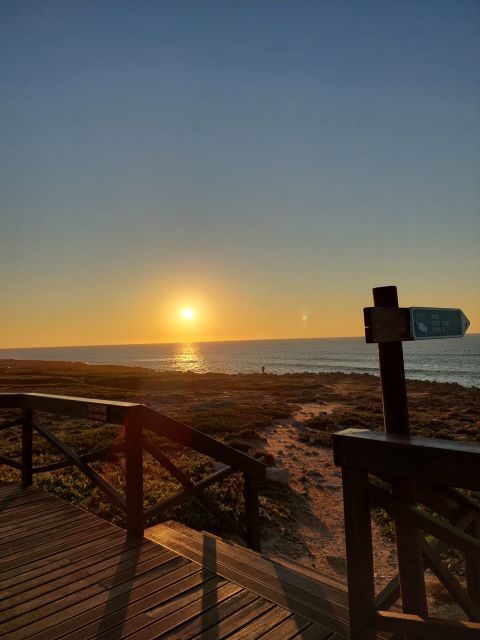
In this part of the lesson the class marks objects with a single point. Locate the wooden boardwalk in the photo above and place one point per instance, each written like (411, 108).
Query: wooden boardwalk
(68, 574)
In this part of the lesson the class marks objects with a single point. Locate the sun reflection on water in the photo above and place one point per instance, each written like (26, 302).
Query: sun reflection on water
(187, 357)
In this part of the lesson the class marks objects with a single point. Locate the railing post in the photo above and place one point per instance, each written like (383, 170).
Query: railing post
(134, 480)
(27, 447)
(358, 539)
(252, 513)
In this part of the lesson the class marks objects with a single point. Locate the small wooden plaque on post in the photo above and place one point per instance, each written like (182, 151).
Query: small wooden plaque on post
(98, 412)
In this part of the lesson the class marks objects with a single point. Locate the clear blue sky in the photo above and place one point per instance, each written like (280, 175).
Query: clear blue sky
(266, 163)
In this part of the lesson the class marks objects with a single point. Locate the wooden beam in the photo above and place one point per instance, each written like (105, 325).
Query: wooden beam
(186, 482)
(409, 457)
(390, 593)
(11, 423)
(10, 462)
(11, 400)
(441, 530)
(181, 496)
(86, 457)
(111, 493)
(84, 408)
(450, 583)
(427, 627)
(160, 457)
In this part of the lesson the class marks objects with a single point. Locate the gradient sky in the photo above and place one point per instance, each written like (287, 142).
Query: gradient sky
(259, 161)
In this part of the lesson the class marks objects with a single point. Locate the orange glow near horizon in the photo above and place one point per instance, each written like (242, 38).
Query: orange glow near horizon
(207, 311)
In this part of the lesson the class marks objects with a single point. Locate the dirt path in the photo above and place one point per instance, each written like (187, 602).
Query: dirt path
(315, 499)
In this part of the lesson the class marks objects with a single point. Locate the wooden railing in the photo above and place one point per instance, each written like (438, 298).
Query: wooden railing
(375, 467)
(137, 421)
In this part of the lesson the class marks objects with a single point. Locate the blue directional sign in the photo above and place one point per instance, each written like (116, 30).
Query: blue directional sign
(427, 323)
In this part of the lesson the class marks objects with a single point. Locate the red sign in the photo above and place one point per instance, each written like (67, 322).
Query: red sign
(97, 412)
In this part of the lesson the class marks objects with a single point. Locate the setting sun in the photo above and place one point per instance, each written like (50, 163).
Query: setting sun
(187, 314)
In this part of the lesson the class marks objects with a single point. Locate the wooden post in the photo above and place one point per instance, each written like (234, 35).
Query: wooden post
(473, 565)
(358, 538)
(392, 372)
(134, 480)
(252, 514)
(395, 411)
(27, 448)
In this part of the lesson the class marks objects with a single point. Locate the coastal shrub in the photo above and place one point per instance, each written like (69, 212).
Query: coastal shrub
(221, 419)
(319, 438)
(384, 522)
(246, 434)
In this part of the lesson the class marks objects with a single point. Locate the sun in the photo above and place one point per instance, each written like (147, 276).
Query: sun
(187, 314)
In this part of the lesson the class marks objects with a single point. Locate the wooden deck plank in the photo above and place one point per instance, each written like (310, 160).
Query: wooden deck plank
(314, 632)
(84, 551)
(62, 528)
(92, 615)
(23, 517)
(123, 609)
(177, 608)
(81, 589)
(29, 526)
(37, 512)
(203, 601)
(23, 557)
(133, 559)
(24, 503)
(262, 624)
(10, 513)
(53, 580)
(14, 493)
(22, 571)
(287, 629)
(68, 575)
(54, 570)
(219, 613)
(231, 622)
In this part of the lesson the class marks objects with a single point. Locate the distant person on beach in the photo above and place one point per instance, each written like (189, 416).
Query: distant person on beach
(263, 370)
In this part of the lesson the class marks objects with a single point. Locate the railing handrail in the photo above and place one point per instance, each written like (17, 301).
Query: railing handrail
(443, 462)
(121, 413)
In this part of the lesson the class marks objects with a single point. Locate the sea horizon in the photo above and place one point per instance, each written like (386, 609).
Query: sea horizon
(447, 360)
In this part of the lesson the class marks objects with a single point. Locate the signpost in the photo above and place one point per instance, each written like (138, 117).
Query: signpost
(389, 325)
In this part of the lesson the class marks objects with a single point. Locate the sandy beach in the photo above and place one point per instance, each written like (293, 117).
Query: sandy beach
(286, 420)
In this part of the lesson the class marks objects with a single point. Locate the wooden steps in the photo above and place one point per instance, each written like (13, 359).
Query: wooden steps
(321, 600)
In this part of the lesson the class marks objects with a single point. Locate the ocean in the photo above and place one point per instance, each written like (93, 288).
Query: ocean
(449, 360)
